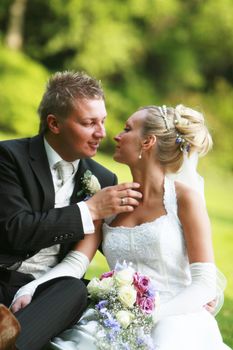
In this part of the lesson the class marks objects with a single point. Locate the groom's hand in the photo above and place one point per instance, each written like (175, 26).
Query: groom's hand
(114, 200)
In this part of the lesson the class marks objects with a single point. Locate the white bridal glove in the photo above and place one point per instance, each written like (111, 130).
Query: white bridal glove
(192, 299)
(74, 264)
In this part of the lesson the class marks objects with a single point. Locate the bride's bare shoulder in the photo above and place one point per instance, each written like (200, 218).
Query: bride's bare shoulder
(186, 195)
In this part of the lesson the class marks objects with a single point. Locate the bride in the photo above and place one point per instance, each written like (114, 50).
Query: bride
(167, 237)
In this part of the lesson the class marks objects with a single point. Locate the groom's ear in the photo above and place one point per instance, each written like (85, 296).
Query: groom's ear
(149, 142)
(53, 123)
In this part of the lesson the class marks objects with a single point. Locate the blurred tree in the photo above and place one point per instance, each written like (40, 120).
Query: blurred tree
(212, 33)
(175, 44)
(145, 52)
(14, 35)
(21, 88)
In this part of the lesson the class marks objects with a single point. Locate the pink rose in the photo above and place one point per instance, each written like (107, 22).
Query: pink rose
(141, 283)
(107, 274)
(146, 304)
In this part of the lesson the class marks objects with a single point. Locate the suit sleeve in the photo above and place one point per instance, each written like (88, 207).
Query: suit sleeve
(25, 228)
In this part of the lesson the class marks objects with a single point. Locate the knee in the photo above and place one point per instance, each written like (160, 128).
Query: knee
(70, 289)
(76, 286)
(75, 296)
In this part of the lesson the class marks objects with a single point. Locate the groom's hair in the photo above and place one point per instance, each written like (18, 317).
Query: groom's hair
(62, 93)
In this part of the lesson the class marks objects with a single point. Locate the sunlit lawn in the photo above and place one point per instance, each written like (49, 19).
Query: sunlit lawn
(219, 196)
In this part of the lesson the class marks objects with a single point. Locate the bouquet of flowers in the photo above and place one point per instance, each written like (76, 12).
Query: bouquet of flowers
(124, 301)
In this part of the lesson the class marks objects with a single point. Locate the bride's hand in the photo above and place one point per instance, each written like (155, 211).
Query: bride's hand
(21, 302)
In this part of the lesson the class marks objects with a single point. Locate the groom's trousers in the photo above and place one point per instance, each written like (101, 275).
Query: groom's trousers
(56, 305)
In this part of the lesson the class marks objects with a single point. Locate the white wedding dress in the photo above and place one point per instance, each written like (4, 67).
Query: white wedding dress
(158, 250)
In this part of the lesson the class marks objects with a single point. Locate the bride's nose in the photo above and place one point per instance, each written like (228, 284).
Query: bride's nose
(117, 138)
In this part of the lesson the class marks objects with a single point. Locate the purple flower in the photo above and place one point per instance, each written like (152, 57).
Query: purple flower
(151, 290)
(146, 304)
(151, 293)
(146, 339)
(112, 323)
(149, 343)
(111, 336)
(140, 341)
(107, 274)
(102, 304)
(141, 283)
(119, 266)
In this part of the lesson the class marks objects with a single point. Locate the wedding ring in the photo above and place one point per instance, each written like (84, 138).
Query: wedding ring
(122, 201)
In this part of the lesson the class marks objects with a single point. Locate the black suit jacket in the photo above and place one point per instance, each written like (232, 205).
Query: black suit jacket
(28, 219)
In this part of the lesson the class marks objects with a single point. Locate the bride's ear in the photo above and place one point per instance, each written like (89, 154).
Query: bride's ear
(149, 142)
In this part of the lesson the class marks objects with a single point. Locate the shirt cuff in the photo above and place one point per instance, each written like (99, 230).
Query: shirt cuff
(88, 225)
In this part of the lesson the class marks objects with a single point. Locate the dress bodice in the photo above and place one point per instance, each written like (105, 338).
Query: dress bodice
(156, 248)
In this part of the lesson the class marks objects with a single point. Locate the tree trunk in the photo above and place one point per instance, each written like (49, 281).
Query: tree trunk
(14, 36)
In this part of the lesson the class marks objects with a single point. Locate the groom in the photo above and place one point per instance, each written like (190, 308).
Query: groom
(42, 210)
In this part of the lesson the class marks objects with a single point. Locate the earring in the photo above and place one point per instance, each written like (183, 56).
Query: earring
(140, 155)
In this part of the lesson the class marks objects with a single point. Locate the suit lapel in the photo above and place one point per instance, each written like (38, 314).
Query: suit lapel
(40, 166)
(78, 182)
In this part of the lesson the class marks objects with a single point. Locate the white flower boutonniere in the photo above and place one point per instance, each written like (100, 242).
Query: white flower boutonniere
(90, 185)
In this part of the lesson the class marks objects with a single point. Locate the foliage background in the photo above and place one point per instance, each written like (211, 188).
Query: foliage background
(145, 52)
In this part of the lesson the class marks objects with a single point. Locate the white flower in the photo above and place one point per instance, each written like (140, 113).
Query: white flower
(124, 277)
(90, 184)
(100, 288)
(127, 296)
(124, 318)
(106, 285)
(93, 287)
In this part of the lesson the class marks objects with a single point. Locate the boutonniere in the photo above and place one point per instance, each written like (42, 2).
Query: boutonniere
(90, 185)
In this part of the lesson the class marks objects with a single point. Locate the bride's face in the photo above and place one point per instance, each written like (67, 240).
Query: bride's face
(129, 141)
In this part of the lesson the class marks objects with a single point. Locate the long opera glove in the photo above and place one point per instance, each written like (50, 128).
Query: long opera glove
(74, 264)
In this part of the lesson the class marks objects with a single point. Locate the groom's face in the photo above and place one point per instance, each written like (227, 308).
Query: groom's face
(79, 135)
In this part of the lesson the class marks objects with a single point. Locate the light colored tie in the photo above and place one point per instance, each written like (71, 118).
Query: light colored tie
(64, 170)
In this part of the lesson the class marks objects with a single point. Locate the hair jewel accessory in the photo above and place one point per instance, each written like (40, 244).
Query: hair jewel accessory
(163, 112)
(184, 145)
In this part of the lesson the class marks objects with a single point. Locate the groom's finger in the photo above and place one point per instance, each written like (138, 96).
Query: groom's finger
(128, 190)
(127, 185)
(129, 193)
(109, 201)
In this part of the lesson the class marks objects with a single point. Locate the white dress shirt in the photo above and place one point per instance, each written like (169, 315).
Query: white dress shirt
(46, 258)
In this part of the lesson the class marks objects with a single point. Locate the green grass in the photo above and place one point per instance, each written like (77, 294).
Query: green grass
(219, 195)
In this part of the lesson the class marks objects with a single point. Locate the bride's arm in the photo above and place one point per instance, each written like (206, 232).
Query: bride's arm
(197, 233)
(74, 264)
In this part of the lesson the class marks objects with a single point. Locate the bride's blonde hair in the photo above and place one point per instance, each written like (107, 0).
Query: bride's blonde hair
(178, 130)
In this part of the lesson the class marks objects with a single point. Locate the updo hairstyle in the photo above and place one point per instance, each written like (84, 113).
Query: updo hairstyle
(180, 130)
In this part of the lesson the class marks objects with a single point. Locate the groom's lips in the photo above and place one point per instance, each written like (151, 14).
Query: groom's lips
(94, 144)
